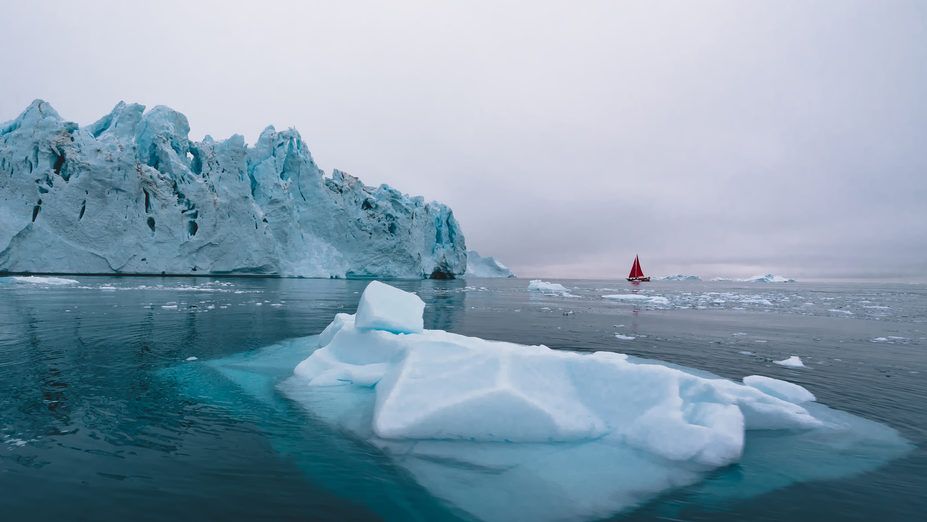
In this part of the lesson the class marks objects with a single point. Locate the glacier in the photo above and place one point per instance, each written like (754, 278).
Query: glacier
(132, 194)
(479, 266)
(499, 430)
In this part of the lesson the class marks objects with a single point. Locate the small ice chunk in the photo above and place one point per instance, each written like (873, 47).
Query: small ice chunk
(639, 298)
(777, 388)
(191, 358)
(169, 307)
(792, 362)
(384, 307)
(36, 280)
(624, 337)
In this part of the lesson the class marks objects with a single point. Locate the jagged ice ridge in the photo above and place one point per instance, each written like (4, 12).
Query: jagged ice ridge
(133, 194)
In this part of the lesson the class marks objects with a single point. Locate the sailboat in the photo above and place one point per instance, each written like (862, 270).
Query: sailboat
(636, 273)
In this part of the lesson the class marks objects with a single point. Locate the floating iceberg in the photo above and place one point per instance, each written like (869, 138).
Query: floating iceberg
(792, 362)
(478, 266)
(537, 285)
(504, 431)
(132, 193)
(679, 277)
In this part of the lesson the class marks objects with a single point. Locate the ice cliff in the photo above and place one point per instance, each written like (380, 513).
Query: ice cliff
(133, 194)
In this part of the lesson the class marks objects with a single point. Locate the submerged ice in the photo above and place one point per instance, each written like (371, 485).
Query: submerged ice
(132, 193)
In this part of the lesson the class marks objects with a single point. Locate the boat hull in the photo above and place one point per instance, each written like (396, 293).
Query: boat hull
(639, 279)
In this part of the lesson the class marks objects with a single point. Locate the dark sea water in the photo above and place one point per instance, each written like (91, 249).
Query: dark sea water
(100, 419)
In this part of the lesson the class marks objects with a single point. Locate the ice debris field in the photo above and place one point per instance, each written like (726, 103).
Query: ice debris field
(497, 429)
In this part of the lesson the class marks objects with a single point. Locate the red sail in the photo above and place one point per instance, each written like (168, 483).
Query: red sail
(636, 269)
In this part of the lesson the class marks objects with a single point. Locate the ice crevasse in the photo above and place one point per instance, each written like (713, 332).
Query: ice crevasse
(131, 193)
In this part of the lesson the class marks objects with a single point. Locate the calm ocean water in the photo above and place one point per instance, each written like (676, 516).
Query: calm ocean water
(93, 426)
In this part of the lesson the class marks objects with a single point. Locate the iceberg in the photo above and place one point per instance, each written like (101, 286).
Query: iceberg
(792, 362)
(479, 266)
(767, 278)
(679, 277)
(501, 430)
(132, 194)
(536, 285)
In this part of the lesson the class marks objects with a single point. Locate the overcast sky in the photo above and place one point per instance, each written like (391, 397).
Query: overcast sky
(721, 138)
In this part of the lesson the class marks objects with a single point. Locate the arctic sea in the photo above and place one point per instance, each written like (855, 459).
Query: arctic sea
(109, 410)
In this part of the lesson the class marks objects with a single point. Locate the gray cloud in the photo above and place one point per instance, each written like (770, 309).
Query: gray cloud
(718, 138)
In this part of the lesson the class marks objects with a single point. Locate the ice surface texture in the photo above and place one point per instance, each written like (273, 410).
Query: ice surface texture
(479, 266)
(438, 385)
(132, 194)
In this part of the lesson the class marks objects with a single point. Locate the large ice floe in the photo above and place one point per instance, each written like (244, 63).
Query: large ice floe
(479, 266)
(502, 431)
(132, 193)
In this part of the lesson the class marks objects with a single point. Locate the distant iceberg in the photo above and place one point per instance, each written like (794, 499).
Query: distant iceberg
(132, 194)
(478, 266)
(679, 277)
(538, 285)
(762, 278)
(767, 278)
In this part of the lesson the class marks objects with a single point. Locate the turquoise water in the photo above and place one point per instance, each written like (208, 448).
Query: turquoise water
(103, 418)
